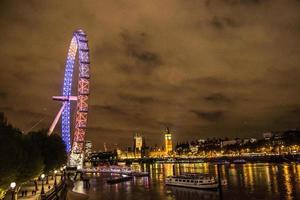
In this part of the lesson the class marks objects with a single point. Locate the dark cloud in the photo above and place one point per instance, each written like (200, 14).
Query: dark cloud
(211, 116)
(295, 111)
(136, 99)
(236, 2)
(108, 109)
(224, 22)
(3, 95)
(285, 116)
(218, 98)
(144, 60)
(103, 135)
(245, 2)
(103, 130)
(218, 82)
(24, 111)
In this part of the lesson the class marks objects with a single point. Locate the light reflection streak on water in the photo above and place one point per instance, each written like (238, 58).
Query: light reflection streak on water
(168, 169)
(116, 186)
(233, 176)
(155, 172)
(247, 172)
(274, 180)
(251, 176)
(257, 173)
(268, 178)
(287, 181)
(223, 171)
(294, 167)
(298, 172)
(146, 182)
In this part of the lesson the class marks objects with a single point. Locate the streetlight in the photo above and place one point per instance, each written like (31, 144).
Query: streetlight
(12, 187)
(64, 172)
(43, 191)
(55, 171)
(61, 173)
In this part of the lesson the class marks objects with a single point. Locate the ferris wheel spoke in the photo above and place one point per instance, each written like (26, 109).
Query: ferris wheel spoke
(53, 125)
(64, 98)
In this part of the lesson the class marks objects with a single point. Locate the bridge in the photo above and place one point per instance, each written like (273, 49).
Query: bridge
(114, 170)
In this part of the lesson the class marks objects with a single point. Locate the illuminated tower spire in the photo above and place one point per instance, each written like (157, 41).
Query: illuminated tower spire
(105, 148)
(168, 141)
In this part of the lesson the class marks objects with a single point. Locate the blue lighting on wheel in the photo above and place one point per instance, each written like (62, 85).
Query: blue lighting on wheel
(67, 89)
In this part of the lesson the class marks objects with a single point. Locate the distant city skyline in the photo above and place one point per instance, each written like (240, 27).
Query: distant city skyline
(203, 68)
(167, 136)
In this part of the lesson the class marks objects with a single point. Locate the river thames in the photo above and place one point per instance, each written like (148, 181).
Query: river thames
(244, 181)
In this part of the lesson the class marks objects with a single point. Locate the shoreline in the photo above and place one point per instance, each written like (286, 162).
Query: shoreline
(71, 195)
(250, 159)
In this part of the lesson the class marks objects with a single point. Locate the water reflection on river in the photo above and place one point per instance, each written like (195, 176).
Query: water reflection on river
(248, 181)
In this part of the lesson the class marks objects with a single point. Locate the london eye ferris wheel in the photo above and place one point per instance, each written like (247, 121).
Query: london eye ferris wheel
(78, 46)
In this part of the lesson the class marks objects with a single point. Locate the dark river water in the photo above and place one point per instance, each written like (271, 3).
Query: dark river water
(247, 181)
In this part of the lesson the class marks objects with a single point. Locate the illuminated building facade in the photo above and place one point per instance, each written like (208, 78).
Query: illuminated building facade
(138, 144)
(103, 158)
(88, 148)
(168, 141)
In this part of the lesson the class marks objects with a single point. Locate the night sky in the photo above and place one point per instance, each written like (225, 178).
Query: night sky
(214, 68)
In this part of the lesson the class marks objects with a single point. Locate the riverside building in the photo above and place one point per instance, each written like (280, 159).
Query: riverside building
(168, 142)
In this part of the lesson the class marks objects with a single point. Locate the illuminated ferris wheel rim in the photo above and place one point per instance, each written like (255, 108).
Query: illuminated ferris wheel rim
(78, 45)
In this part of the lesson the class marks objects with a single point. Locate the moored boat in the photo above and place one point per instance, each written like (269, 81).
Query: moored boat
(223, 162)
(192, 181)
(239, 161)
(119, 179)
(139, 174)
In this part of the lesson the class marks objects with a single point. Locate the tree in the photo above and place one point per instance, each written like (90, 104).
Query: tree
(55, 154)
(32, 164)
(10, 152)
(26, 156)
(52, 149)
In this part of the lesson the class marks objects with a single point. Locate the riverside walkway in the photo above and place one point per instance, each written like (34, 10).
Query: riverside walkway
(30, 188)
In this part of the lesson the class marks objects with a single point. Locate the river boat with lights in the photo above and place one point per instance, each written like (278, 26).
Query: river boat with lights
(195, 181)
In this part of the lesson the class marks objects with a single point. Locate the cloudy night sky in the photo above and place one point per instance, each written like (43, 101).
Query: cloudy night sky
(205, 68)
